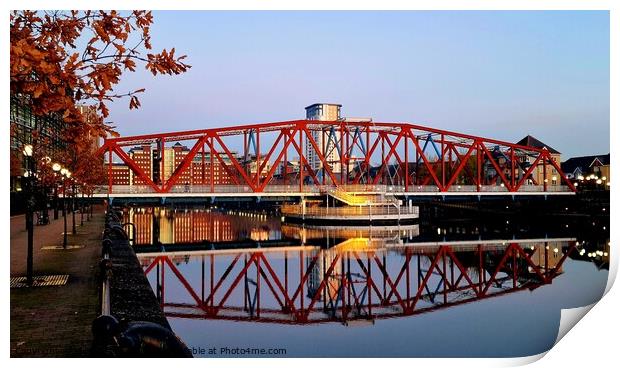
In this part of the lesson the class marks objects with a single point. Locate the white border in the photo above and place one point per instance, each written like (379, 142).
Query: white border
(594, 340)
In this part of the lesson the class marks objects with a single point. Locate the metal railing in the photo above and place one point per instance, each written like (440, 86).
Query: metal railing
(349, 211)
(312, 189)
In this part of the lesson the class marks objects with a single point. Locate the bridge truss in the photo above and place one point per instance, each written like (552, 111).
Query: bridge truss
(348, 284)
(339, 153)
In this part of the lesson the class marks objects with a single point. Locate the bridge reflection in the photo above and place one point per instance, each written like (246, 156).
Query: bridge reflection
(357, 281)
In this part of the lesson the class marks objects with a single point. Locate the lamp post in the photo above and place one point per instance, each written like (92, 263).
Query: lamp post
(73, 229)
(82, 205)
(56, 168)
(64, 173)
(29, 176)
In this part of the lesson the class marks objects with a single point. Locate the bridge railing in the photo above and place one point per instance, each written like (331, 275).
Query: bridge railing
(348, 211)
(352, 189)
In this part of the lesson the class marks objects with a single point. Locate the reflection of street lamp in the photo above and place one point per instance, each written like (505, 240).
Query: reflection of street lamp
(29, 176)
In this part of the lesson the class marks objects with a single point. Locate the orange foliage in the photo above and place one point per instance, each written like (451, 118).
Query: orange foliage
(56, 75)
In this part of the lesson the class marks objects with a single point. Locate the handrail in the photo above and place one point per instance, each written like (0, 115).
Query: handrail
(297, 210)
(307, 189)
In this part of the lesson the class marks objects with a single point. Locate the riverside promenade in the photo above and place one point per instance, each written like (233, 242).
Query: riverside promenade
(55, 321)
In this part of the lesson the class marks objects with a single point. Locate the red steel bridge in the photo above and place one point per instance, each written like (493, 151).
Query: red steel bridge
(352, 282)
(403, 158)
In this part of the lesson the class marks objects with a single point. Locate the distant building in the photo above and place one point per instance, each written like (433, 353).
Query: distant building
(253, 168)
(327, 139)
(290, 168)
(598, 165)
(23, 123)
(552, 177)
(163, 169)
(143, 157)
(121, 174)
(180, 152)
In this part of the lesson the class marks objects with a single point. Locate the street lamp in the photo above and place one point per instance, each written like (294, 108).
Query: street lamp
(73, 229)
(28, 175)
(28, 150)
(64, 172)
(56, 168)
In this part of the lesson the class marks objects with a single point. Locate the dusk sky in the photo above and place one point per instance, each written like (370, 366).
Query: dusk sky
(495, 74)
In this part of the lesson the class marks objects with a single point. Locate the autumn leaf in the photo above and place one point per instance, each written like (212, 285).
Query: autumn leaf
(49, 72)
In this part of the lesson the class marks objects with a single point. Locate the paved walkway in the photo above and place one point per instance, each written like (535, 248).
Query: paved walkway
(54, 321)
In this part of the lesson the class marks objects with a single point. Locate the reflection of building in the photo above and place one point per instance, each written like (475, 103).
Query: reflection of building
(171, 226)
(553, 252)
(142, 218)
(318, 272)
(552, 177)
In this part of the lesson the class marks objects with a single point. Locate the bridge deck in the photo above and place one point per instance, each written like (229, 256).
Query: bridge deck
(292, 191)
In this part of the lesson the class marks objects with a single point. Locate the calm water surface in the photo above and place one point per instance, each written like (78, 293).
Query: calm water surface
(231, 279)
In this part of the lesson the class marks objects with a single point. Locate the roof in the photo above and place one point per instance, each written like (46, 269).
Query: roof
(583, 162)
(533, 142)
(322, 103)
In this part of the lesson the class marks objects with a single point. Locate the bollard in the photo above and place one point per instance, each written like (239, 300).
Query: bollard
(148, 339)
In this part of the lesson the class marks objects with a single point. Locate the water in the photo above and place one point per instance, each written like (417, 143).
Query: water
(239, 283)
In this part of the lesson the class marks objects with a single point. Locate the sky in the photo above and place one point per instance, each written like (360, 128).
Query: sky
(499, 75)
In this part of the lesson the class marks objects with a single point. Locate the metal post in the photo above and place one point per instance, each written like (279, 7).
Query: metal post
(203, 163)
(29, 219)
(55, 200)
(324, 156)
(257, 158)
(443, 161)
(73, 229)
(479, 168)
(109, 175)
(545, 157)
(407, 163)
(162, 162)
(301, 166)
(367, 155)
(64, 214)
(347, 156)
(211, 166)
(285, 167)
(82, 209)
(512, 167)
(383, 156)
